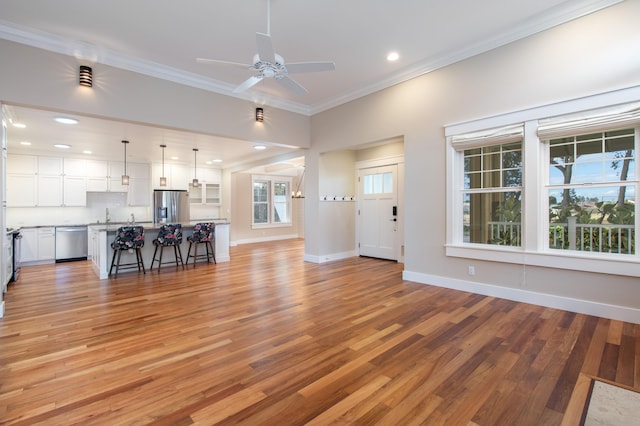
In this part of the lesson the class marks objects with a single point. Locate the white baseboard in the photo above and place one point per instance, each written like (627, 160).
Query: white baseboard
(329, 257)
(621, 313)
(2, 309)
(263, 239)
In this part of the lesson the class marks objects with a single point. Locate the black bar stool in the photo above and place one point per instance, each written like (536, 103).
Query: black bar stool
(203, 233)
(128, 238)
(170, 235)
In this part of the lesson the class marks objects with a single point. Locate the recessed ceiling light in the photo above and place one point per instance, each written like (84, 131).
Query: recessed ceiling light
(208, 162)
(259, 147)
(175, 158)
(393, 56)
(66, 120)
(19, 125)
(217, 160)
(87, 152)
(62, 145)
(25, 143)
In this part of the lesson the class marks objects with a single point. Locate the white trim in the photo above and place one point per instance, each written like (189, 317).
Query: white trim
(612, 264)
(535, 209)
(329, 257)
(558, 15)
(621, 313)
(380, 162)
(600, 100)
(600, 120)
(488, 137)
(263, 239)
(2, 309)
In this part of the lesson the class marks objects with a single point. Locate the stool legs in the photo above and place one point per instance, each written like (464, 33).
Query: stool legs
(118, 253)
(211, 253)
(177, 251)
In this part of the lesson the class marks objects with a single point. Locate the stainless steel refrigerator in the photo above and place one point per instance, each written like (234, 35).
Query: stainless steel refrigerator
(170, 206)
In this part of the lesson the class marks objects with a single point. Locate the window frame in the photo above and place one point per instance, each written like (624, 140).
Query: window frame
(535, 204)
(272, 181)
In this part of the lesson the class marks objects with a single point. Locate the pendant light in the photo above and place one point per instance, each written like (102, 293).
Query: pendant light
(163, 179)
(195, 167)
(125, 177)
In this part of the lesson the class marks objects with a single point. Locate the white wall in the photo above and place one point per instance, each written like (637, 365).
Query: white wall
(594, 54)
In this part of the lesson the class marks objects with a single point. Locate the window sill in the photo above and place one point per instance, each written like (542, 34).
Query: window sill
(271, 225)
(627, 265)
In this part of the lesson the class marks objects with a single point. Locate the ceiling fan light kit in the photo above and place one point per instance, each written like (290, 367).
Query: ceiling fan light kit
(267, 64)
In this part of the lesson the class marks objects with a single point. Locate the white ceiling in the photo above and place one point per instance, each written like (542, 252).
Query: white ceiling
(162, 38)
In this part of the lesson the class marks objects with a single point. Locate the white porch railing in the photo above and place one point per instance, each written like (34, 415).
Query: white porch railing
(609, 238)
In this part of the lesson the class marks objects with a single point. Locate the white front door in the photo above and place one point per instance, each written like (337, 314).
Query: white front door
(377, 213)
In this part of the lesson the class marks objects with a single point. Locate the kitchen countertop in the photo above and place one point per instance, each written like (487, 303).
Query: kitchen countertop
(112, 227)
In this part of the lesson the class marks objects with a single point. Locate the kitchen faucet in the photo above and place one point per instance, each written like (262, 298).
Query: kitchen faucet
(107, 218)
(133, 219)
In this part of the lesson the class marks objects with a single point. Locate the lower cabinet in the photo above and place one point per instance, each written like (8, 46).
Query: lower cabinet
(38, 245)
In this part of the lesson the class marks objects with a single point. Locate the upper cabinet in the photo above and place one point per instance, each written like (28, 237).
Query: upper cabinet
(43, 181)
(177, 176)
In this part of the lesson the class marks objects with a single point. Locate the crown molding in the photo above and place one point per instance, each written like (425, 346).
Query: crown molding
(565, 12)
(557, 16)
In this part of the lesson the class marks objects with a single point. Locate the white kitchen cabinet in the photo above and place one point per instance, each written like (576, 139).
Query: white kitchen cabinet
(29, 245)
(139, 192)
(180, 177)
(75, 191)
(46, 243)
(139, 170)
(22, 164)
(75, 167)
(177, 176)
(52, 166)
(205, 193)
(139, 185)
(49, 191)
(38, 245)
(116, 170)
(22, 190)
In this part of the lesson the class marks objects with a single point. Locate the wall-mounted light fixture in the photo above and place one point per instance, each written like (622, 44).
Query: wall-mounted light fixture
(125, 177)
(195, 167)
(163, 179)
(259, 115)
(297, 193)
(85, 77)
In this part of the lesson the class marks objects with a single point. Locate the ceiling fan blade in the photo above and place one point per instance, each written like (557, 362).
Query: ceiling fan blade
(292, 85)
(250, 82)
(300, 67)
(216, 61)
(265, 48)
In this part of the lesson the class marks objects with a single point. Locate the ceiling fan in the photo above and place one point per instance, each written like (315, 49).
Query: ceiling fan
(268, 64)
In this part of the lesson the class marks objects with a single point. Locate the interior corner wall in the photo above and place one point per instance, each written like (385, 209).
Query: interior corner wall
(587, 56)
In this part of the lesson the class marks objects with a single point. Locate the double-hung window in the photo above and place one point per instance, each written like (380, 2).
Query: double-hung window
(491, 193)
(271, 201)
(592, 181)
(556, 190)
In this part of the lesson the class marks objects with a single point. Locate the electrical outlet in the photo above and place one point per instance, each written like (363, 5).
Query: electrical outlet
(472, 270)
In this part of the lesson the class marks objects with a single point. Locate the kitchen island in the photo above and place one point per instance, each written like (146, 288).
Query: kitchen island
(101, 236)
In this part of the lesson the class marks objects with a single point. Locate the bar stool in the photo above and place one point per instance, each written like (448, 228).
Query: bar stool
(170, 235)
(128, 238)
(203, 233)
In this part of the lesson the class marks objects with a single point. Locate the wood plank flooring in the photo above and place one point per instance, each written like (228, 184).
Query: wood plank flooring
(269, 339)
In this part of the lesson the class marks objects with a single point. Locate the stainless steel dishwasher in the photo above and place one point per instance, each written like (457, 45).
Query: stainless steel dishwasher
(71, 243)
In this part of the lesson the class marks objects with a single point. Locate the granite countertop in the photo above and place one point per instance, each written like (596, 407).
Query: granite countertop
(112, 227)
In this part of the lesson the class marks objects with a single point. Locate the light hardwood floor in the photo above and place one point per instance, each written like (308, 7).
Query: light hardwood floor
(269, 339)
